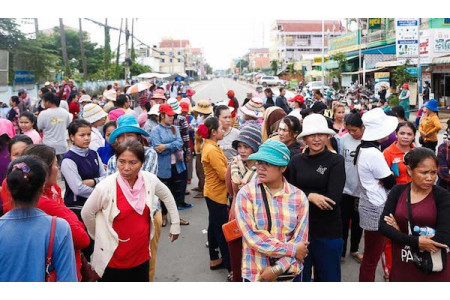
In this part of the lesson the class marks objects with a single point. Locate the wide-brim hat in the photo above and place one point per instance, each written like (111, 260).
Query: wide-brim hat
(85, 98)
(253, 108)
(126, 123)
(110, 95)
(377, 124)
(92, 113)
(272, 152)
(175, 105)
(154, 110)
(225, 104)
(249, 135)
(315, 124)
(203, 107)
(159, 94)
(433, 105)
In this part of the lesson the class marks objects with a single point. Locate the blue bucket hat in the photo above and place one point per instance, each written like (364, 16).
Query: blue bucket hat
(272, 152)
(432, 105)
(126, 123)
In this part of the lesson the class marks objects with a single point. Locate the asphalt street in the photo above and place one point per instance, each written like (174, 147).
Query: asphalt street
(187, 259)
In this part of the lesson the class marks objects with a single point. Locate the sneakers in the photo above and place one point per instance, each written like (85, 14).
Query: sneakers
(185, 206)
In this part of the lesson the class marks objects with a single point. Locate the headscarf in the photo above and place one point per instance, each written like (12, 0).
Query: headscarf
(272, 117)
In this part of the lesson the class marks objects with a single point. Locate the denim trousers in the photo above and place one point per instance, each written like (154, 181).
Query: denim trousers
(325, 256)
(177, 185)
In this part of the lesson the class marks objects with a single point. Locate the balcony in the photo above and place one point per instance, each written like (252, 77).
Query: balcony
(379, 35)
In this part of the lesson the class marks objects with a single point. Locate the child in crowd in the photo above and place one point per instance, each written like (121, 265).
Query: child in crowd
(27, 124)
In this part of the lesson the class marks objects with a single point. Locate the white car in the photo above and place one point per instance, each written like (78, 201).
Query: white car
(316, 85)
(270, 80)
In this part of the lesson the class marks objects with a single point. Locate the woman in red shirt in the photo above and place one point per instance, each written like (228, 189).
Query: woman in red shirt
(51, 201)
(74, 107)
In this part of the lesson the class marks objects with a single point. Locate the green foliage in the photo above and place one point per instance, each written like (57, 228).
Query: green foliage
(107, 49)
(290, 68)
(400, 76)
(10, 35)
(242, 64)
(136, 69)
(274, 65)
(342, 63)
(208, 69)
(393, 100)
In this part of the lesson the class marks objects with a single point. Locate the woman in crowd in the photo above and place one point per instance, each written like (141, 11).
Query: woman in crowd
(349, 142)
(404, 99)
(297, 104)
(223, 113)
(144, 106)
(107, 151)
(273, 217)
(288, 130)
(444, 160)
(6, 133)
(26, 230)
(27, 124)
(338, 119)
(319, 97)
(74, 106)
(166, 140)
(232, 102)
(96, 116)
(252, 113)
(322, 178)
(240, 172)
(81, 167)
(121, 252)
(271, 119)
(375, 179)
(429, 206)
(152, 121)
(121, 105)
(215, 166)
(14, 113)
(430, 126)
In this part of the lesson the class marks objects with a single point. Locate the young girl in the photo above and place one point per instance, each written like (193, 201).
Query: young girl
(27, 123)
(95, 115)
(13, 114)
(338, 117)
(81, 167)
(107, 151)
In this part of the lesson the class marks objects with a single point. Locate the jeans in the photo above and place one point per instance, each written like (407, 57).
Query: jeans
(430, 145)
(349, 212)
(325, 256)
(177, 185)
(373, 248)
(218, 215)
(136, 274)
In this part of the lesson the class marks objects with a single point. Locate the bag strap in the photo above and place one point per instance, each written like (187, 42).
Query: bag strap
(266, 204)
(48, 260)
(408, 203)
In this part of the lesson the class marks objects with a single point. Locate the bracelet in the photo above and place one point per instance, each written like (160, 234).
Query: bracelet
(273, 271)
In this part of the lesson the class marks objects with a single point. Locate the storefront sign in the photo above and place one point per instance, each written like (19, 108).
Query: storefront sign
(23, 77)
(446, 21)
(407, 37)
(350, 39)
(374, 23)
(441, 69)
(380, 77)
(318, 60)
(412, 71)
(442, 41)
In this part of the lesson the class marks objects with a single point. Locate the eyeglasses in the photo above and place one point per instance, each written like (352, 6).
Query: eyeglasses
(260, 163)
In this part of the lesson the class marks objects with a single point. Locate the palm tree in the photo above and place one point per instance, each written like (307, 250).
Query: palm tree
(64, 46)
(83, 55)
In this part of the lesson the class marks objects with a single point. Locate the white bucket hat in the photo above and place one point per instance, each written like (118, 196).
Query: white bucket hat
(110, 95)
(314, 124)
(225, 104)
(253, 108)
(85, 98)
(92, 113)
(378, 125)
(175, 105)
(154, 110)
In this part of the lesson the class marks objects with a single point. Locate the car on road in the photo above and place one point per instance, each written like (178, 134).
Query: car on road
(316, 85)
(271, 80)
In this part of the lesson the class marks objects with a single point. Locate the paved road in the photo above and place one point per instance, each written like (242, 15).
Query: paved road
(187, 259)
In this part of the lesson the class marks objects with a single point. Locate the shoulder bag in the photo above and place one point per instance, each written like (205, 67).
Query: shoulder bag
(50, 276)
(426, 261)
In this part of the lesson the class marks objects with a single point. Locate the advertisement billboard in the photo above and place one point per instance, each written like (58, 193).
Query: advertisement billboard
(407, 37)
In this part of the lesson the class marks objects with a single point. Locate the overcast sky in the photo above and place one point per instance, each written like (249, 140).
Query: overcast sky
(223, 29)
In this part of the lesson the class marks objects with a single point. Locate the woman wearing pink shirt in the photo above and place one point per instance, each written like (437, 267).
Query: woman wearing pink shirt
(27, 124)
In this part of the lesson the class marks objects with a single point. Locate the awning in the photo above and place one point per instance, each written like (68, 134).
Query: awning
(360, 72)
(441, 60)
(331, 64)
(389, 49)
(389, 63)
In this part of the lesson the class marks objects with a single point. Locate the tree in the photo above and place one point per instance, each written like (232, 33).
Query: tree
(208, 69)
(400, 75)
(341, 59)
(10, 34)
(274, 65)
(64, 47)
(83, 55)
(107, 49)
(242, 64)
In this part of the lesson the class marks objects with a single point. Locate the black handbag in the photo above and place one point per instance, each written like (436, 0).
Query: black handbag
(273, 260)
(426, 261)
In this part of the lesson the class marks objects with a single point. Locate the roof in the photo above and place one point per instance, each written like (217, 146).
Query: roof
(309, 25)
(196, 51)
(259, 50)
(441, 60)
(174, 44)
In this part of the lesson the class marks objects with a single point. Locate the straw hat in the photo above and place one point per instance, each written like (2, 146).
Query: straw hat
(203, 107)
(377, 124)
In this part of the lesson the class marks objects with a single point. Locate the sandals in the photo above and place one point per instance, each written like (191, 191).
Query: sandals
(184, 222)
(357, 256)
(196, 189)
(164, 221)
(198, 196)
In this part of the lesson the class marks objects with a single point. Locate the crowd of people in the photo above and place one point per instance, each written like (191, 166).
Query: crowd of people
(285, 185)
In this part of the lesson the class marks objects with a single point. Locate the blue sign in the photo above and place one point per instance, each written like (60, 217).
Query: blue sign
(23, 77)
(446, 21)
(407, 23)
(412, 71)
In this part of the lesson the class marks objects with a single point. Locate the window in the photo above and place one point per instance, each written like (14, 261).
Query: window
(170, 60)
(179, 52)
(170, 53)
(179, 60)
(162, 60)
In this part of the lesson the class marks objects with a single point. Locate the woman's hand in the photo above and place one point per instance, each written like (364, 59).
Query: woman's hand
(321, 201)
(302, 251)
(160, 148)
(173, 237)
(268, 275)
(89, 182)
(427, 244)
(390, 220)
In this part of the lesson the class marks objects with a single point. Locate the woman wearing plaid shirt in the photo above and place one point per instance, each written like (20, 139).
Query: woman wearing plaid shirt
(285, 244)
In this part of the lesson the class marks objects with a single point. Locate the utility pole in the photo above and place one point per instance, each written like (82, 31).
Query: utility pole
(323, 55)
(64, 46)
(132, 39)
(127, 37)
(419, 71)
(83, 54)
(36, 27)
(118, 45)
(359, 54)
